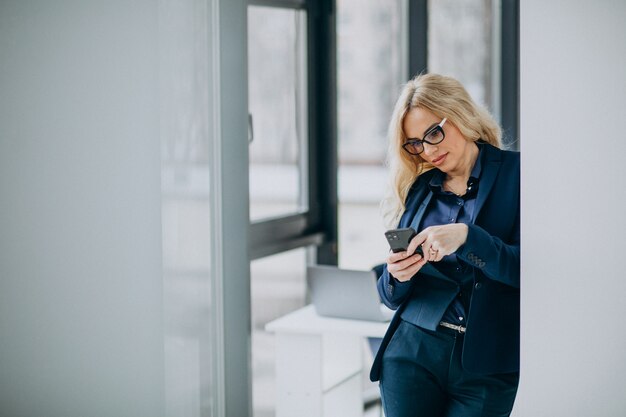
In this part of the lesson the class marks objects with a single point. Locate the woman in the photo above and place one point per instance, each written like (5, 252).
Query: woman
(452, 348)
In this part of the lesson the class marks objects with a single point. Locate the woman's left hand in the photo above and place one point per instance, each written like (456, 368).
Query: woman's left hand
(439, 241)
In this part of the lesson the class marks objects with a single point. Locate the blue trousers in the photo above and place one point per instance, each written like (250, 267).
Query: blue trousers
(422, 376)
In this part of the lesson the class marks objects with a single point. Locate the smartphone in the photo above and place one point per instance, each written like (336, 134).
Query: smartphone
(399, 239)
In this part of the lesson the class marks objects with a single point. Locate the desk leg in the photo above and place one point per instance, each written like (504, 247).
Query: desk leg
(319, 375)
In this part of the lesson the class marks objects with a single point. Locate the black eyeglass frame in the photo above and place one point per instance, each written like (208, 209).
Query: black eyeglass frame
(412, 142)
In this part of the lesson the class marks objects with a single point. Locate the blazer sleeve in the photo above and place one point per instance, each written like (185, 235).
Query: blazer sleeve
(393, 292)
(498, 260)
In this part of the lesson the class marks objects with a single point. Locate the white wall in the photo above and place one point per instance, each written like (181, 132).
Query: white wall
(81, 312)
(120, 125)
(573, 107)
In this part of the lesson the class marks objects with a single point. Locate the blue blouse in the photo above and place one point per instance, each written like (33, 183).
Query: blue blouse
(446, 208)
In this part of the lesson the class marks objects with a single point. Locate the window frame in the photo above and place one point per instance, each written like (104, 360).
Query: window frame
(316, 225)
(509, 72)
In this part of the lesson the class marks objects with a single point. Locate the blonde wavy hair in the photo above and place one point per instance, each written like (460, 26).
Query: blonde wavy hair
(444, 97)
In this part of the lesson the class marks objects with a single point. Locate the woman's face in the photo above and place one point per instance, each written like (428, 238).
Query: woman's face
(450, 154)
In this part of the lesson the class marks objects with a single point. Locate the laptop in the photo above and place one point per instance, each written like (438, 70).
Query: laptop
(346, 294)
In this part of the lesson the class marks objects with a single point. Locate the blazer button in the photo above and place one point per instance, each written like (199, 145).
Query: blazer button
(478, 285)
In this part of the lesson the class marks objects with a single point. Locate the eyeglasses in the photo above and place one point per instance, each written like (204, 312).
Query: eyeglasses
(432, 137)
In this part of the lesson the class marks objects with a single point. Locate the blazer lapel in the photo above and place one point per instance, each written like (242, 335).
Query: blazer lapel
(413, 218)
(412, 205)
(417, 218)
(488, 177)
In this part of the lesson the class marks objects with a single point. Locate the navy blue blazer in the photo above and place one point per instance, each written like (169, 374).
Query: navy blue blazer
(491, 343)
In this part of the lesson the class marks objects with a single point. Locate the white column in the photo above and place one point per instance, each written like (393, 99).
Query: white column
(573, 105)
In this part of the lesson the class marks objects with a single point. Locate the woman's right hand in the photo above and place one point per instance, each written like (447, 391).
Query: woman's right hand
(402, 266)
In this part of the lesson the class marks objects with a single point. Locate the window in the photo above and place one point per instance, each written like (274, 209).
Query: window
(278, 286)
(477, 42)
(292, 173)
(292, 149)
(460, 44)
(277, 99)
(372, 66)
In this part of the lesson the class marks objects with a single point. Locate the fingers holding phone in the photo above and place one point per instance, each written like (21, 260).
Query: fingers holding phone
(416, 245)
(439, 241)
(402, 267)
(406, 258)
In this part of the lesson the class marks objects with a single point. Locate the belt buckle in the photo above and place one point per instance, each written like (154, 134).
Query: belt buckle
(456, 327)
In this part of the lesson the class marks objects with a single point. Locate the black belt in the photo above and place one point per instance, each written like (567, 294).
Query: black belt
(456, 327)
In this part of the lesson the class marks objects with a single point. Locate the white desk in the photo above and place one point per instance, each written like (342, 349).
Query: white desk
(319, 361)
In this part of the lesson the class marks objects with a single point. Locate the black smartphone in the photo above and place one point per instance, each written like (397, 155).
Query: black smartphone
(399, 239)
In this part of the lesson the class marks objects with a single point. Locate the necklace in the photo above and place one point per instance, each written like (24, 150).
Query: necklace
(466, 186)
(448, 187)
